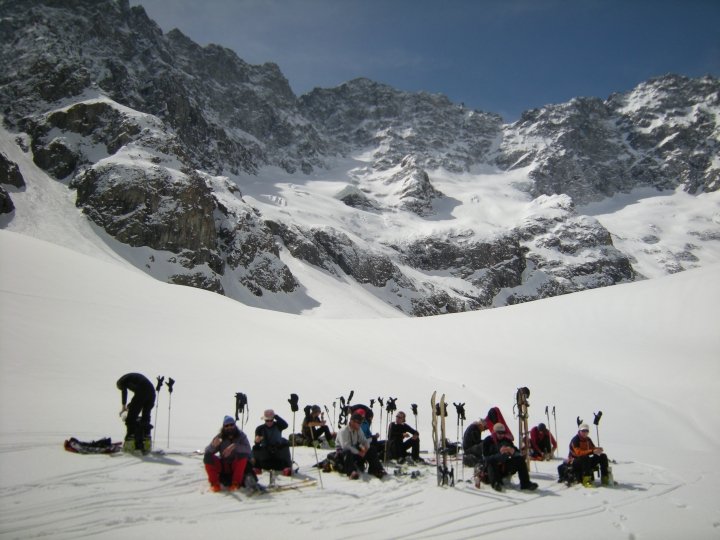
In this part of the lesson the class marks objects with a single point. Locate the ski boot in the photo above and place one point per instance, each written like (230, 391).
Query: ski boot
(587, 481)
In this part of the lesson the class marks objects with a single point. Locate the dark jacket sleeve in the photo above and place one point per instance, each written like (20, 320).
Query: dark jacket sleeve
(280, 423)
(489, 446)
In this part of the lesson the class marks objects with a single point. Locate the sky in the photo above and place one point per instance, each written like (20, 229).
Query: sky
(497, 56)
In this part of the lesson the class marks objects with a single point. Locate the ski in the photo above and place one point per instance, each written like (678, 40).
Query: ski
(445, 475)
(521, 402)
(433, 404)
(296, 484)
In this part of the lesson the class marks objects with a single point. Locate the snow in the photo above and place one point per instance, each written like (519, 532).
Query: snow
(74, 317)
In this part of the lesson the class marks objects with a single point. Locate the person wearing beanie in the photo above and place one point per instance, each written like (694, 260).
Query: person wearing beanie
(271, 451)
(503, 459)
(353, 450)
(585, 456)
(542, 443)
(226, 458)
(314, 427)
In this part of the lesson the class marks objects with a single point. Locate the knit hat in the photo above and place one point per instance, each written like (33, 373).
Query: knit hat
(542, 427)
(584, 427)
(499, 428)
(228, 420)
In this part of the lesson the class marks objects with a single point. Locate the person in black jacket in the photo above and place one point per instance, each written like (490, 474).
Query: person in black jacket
(138, 410)
(473, 442)
(314, 426)
(401, 437)
(271, 451)
(503, 459)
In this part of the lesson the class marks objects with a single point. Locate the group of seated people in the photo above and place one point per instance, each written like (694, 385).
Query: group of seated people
(230, 460)
(228, 456)
(495, 457)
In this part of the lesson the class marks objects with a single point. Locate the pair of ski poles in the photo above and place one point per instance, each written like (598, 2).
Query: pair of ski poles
(169, 383)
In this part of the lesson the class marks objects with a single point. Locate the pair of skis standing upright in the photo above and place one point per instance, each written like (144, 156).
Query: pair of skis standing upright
(445, 476)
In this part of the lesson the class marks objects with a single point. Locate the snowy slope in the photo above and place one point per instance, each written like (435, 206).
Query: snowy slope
(71, 324)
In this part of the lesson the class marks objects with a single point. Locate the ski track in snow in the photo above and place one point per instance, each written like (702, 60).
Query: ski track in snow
(173, 489)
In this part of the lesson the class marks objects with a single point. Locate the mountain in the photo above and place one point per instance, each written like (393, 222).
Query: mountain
(206, 171)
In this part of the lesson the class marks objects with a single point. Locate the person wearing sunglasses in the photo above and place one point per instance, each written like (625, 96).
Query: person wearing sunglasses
(272, 451)
(226, 459)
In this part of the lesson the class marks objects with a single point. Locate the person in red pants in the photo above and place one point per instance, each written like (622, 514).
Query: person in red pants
(226, 458)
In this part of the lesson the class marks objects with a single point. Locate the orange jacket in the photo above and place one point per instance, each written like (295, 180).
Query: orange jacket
(580, 447)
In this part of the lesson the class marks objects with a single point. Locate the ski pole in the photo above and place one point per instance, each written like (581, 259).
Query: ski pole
(240, 406)
(159, 386)
(460, 410)
(547, 415)
(293, 407)
(170, 382)
(381, 401)
(327, 411)
(391, 407)
(557, 438)
(317, 461)
(413, 406)
(596, 421)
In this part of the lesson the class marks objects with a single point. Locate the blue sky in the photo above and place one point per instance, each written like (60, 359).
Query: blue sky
(502, 56)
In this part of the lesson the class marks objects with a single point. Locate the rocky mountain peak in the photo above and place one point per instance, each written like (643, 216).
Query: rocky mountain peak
(159, 137)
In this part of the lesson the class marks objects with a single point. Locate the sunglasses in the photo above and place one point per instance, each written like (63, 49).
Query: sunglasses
(228, 425)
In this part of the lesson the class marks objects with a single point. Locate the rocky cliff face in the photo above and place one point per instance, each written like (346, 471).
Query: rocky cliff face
(662, 134)
(156, 134)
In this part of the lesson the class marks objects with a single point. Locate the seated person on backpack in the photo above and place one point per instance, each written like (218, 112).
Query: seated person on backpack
(503, 459)
(353, 450)
(585, 456)
(542, 443)
(402, 437)
(226, 458)
(373, 438)
(271, 451)
(314, 426)
(473, 443)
